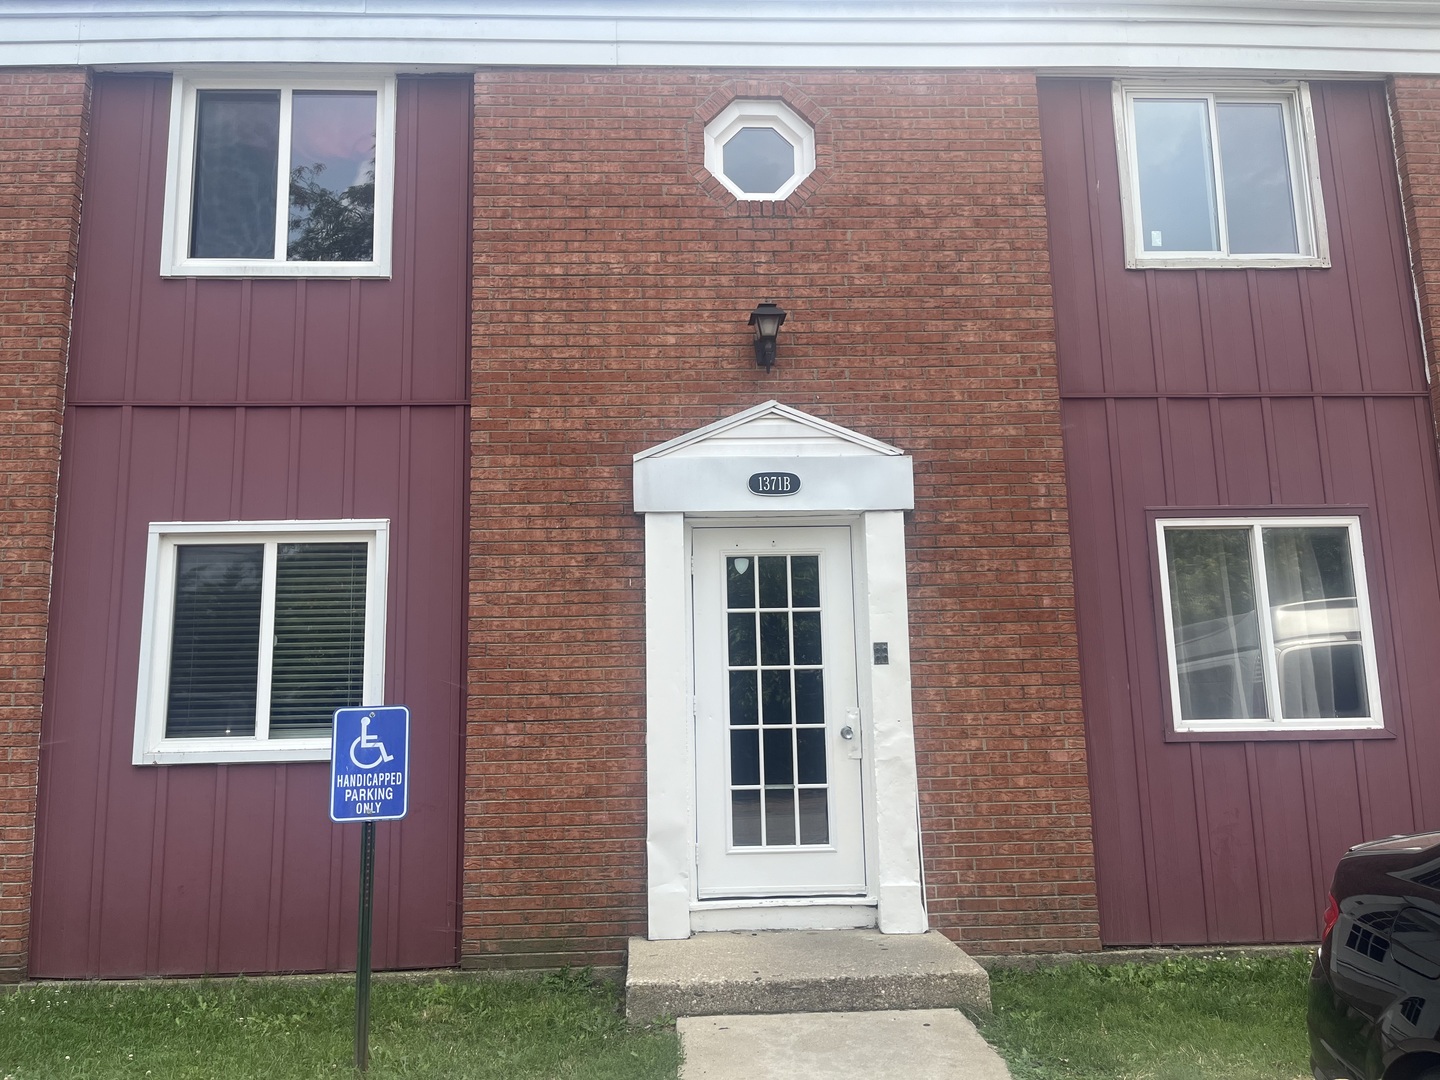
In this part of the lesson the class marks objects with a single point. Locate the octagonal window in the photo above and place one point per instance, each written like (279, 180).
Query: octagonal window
(759, 149)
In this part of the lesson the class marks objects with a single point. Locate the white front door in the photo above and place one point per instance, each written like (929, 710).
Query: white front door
(777, 724)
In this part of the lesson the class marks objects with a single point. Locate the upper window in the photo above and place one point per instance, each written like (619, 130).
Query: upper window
(291, 178)
(759, 149)
(1267, 624)
(253, 634)
(1219, 176)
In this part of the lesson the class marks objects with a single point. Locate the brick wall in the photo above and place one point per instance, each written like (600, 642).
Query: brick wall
(1415, 114)
(43, 117)
(613, 278)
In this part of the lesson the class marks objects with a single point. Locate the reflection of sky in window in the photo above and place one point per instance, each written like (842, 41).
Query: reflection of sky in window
(758, 160)
(336, 131)
(1177, 186)
(1259, 204)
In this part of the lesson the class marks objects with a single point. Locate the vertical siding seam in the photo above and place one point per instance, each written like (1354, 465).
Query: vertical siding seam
(400, 559)
(1257, 330)
(107, 700)
(243, 359)
(1385, 154)
(292, 462)
(1157, 339)
(276, 900)
(297, 345)
(155, 905)
(1138, 720)
(187, 340)
(1207, 331)
(137, 256)
(1096, 223)
(1352, 283)
(352, 343)
(214, 913)
(1217, 453)
(1264, 882)
(407, 316)
(237, 464)
(1203, 837)
(1320, 416)
(1312, 808)
(1272, 454)
(1386, 559)
(1425, 422)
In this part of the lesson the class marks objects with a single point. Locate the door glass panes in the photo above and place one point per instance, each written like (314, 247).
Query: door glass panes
(332, 176)
(215, 641)
(237, 154)
(1177, 180)
(778, 779)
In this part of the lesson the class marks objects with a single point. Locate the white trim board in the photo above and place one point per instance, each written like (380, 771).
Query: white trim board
(1294, 36)
(881, 614)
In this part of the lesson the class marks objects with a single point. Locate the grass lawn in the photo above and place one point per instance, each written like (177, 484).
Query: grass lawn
(451, 1028)
(1188, 1018)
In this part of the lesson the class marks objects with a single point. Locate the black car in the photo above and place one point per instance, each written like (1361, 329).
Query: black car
(1375, 987)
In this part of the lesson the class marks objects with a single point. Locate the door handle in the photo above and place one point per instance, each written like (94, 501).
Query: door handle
(847, 732)
(852, 717)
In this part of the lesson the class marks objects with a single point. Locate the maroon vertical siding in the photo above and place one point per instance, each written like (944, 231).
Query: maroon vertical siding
(216, 399)
(1240, 389)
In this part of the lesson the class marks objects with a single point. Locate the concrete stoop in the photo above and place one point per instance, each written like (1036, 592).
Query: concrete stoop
(800, 971)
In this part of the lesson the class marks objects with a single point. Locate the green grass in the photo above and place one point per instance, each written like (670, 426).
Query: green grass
(451, 1028)
(1188, 1018)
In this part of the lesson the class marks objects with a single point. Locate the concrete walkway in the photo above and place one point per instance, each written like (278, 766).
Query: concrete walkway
(917, 1044)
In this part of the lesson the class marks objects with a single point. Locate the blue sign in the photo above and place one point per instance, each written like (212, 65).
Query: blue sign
(370, 764)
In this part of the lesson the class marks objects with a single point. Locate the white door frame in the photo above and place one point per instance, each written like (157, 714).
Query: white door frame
(844, 478)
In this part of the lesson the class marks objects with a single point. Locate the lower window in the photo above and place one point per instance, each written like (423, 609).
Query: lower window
(1267, 624)
(253, 634)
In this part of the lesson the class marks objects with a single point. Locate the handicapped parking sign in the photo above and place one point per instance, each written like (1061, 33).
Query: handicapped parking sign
(370, 764)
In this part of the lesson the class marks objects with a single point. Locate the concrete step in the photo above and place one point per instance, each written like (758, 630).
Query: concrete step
(794, 971)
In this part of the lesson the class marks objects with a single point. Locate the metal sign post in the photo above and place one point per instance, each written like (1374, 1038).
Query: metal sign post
(369, 782)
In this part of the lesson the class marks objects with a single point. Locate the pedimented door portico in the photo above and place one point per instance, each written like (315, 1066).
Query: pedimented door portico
(780, 751)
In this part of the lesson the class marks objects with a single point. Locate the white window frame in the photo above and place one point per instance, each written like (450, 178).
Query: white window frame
(777, 116)
(1294, 97)
(175, 259)
(151, 746)
(1275, 722)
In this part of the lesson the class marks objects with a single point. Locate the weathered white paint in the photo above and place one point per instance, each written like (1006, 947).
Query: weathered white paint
(669, 729)
(878, 561)
(1282, 36)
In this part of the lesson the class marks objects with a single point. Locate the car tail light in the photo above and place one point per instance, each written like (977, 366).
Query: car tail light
(1332, 913)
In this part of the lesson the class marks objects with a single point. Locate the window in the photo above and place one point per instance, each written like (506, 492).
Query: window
(282, 178)
(253, 634)
(759, 149)
(1220, 176)
(1267, 624)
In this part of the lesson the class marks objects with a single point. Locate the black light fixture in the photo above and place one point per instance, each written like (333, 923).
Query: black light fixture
(766, 319)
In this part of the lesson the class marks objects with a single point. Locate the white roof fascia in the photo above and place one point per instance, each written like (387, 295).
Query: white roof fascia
(1312, 36)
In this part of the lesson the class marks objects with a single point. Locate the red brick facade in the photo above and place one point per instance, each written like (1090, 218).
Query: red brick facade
(612, 281)
(43, 122)
(1415, 113)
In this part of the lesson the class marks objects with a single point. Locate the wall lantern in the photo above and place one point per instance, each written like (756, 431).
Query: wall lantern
(766, 319)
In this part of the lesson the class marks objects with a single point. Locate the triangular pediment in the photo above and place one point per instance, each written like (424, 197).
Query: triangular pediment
(771, 430)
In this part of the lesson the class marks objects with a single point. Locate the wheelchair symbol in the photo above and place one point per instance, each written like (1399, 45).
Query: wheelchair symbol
(367, 742)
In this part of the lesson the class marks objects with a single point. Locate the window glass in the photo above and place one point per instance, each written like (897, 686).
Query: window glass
(1267, 624)
(237, 154)
(1215, 623)
(1259, 193)
(759, 160)
(283, 178)
(332, 176)
(1177, 179)
(254, 635)
(1219, 175)
(1316, 623)
(318, 662)
(215, 641)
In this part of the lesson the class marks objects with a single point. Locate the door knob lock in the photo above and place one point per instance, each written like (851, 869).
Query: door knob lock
(847, 732)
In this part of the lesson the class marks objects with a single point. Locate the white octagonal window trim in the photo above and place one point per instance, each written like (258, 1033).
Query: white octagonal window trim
(759, 149)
